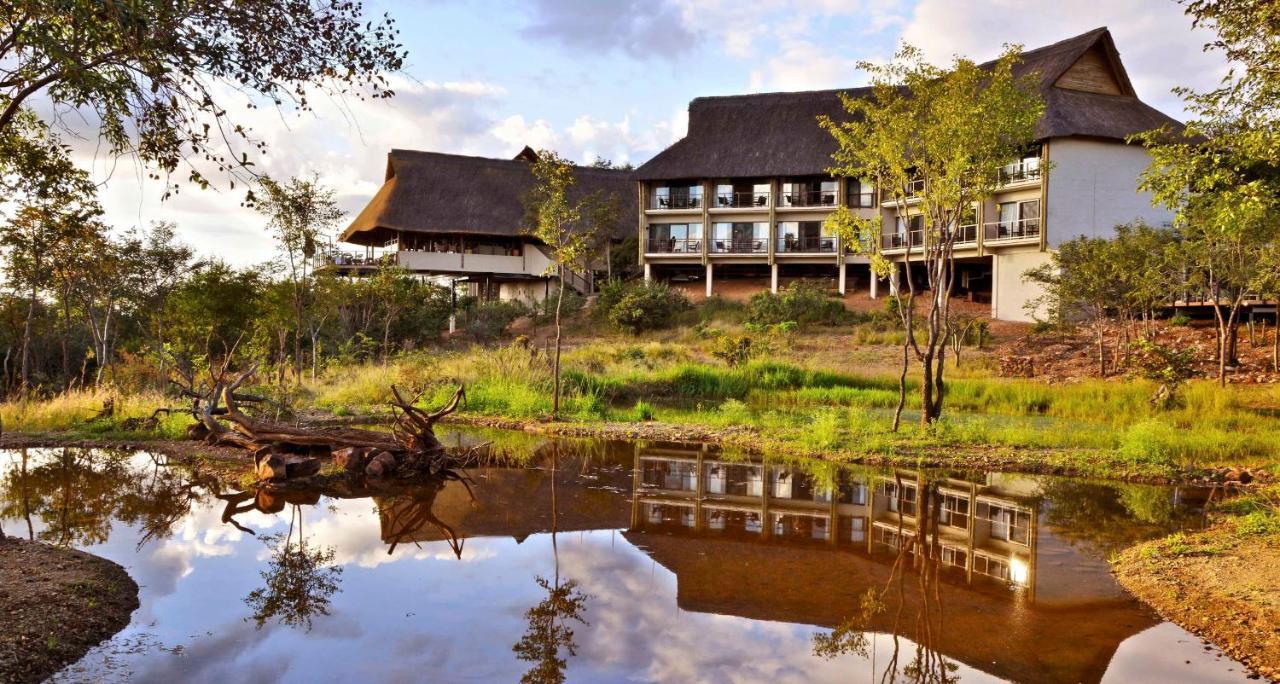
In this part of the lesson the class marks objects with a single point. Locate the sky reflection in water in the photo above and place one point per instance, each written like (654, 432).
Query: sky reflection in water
(677, 577)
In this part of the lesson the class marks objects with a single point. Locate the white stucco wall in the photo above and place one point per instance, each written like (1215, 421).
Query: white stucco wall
(1093, 186)
(527, 292)
(1009, 293)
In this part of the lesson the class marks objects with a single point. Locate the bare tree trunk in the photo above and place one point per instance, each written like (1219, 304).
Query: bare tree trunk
(26, 340)
(1102, 349)
(1275, 342)
(555, 401)
(902, 385)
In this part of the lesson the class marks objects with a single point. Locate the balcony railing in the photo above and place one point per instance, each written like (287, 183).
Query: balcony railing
(742, 200)
(351, 259)
(676, 202)
(809, 198)
(675, 246)
(966, 234)
(751, 246)
(1025, 170)
(1020, 229)
(792, 244)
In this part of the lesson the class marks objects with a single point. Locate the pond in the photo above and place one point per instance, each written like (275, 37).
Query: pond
(612, 561)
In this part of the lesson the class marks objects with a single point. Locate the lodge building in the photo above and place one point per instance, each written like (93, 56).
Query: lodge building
(744, 194)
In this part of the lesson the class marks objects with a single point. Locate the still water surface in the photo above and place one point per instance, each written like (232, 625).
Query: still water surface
(607, 562)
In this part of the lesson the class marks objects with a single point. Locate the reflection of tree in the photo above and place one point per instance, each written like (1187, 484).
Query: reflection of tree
(550, 622)
(1107, 518)
(299, 581)
(549, 630)
(77, 493)
(921, 548)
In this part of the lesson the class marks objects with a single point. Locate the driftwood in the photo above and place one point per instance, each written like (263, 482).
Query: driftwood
(283, 451)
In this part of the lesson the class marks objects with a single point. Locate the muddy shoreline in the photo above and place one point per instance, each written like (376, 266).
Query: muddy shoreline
(1216, 586)
(56, 604)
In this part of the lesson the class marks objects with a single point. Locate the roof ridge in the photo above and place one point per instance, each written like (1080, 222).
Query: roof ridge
(450, 156)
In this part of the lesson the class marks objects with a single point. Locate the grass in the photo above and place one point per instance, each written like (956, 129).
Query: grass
(74, 412)
(812, 394)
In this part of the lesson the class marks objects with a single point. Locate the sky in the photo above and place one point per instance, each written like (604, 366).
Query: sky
(613, 80)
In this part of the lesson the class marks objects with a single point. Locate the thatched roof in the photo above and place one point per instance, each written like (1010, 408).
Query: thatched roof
(775, 134)
(451, 194)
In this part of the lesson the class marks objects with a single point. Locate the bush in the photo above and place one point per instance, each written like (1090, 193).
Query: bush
(1167, 366)
(647, 306)
(489, 320)
(736, 350)
(1180, 320)
(545, 311)
(804, 303)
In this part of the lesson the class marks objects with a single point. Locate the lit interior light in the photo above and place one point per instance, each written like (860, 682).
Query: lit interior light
(1018, 571)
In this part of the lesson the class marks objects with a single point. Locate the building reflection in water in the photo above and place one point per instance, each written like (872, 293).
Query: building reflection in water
(984, 529)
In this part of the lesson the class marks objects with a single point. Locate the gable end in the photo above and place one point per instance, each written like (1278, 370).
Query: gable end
(1093, 72)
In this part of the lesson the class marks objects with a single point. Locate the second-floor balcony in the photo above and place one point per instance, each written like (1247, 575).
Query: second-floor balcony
(912, 191)
(739, 246)
(794, 244)
(676, 201)
(1012, 230)
(966, 235)
(674, 246)
(741, 199)
(1022, 171)
(807, 198)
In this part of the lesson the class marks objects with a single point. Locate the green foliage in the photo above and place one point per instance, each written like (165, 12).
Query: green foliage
(1259, 523)
(802, 303)
(736, 350)
(157, 77)
(647, 306)
(643, 412)
(487, 321)
(1165, 365)
(1180, 320)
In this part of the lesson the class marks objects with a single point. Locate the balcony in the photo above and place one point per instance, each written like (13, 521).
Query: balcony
(747, 246)
(913, 191)
(808, 198)
(966, 235)
(742, 199)
(1012, 230)
(689, 246)
(792, 244)
(670, 202)
(1024, 171)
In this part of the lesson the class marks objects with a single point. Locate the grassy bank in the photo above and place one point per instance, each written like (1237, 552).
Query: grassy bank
(798, 407)
(807, 394)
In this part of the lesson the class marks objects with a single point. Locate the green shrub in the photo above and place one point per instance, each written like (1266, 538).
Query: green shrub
(545, 311)
(647, 306)
(1180, 319)
(801, 302)
(489, 320)
(607, 297)
(1263, 522)
(717, 308)
(736, 350)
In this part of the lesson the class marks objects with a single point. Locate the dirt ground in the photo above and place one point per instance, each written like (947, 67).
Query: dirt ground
(1219, 587)
(1063, 357)
(57, 604)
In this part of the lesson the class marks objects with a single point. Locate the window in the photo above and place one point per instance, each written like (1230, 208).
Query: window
(1006, 522)
(954, 557)
(860, 193)
(857, 529)
(804, 236)
(906, 501)
(1017, 220)
(955, 511)
(676, 238)
(740, 237)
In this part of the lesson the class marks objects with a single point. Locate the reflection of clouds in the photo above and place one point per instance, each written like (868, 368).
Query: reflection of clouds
(355, 534)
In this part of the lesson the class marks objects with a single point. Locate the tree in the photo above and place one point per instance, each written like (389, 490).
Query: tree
(42, 235)
(567, 225)
(300, 214)
(939, 134)
(1221, 173)
(153, 72)
(1081, 284)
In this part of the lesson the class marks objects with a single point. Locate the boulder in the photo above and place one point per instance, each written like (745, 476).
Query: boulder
(381, 465)
(352, 459)
(301, 467)
(270, 467)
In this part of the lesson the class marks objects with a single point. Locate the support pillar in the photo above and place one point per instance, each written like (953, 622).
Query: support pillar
(841, 279)
(995, 286)
(709, 270)
(773, 279)
(648, 275)
(875, 285)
